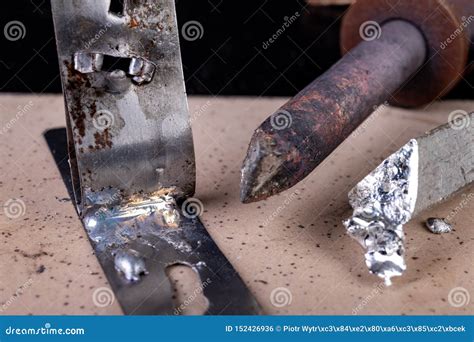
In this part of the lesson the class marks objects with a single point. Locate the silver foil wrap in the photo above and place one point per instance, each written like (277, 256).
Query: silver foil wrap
(383, 201)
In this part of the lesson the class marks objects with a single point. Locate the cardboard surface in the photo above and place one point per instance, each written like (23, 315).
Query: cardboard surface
(293, 244)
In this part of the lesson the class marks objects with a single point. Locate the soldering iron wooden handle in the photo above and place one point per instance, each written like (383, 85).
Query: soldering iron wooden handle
(448, 28)
(407, 52)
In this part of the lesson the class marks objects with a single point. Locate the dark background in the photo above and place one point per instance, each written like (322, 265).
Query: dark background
(229, 59)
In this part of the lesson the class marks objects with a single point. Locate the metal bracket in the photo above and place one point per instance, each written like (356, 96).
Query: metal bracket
(131, 153)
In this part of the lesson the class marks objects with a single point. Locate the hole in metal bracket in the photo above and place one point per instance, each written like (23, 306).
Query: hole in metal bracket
(112, 63)
(141, 70)
(116, 7)
(188, 298)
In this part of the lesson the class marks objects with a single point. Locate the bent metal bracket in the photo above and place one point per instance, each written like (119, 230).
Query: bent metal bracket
(131, 154)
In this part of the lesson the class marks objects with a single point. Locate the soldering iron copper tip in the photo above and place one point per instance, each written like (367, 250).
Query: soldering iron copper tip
(257, 170)
(272, 165)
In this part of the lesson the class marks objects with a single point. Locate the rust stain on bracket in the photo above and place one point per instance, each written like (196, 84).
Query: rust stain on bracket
(131, 153)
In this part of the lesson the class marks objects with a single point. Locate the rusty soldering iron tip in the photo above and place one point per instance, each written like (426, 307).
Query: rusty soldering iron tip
(289, 144)
(261, 170)
(273, 164)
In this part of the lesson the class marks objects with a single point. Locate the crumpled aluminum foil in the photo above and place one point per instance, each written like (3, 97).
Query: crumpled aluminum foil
(383, 201)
